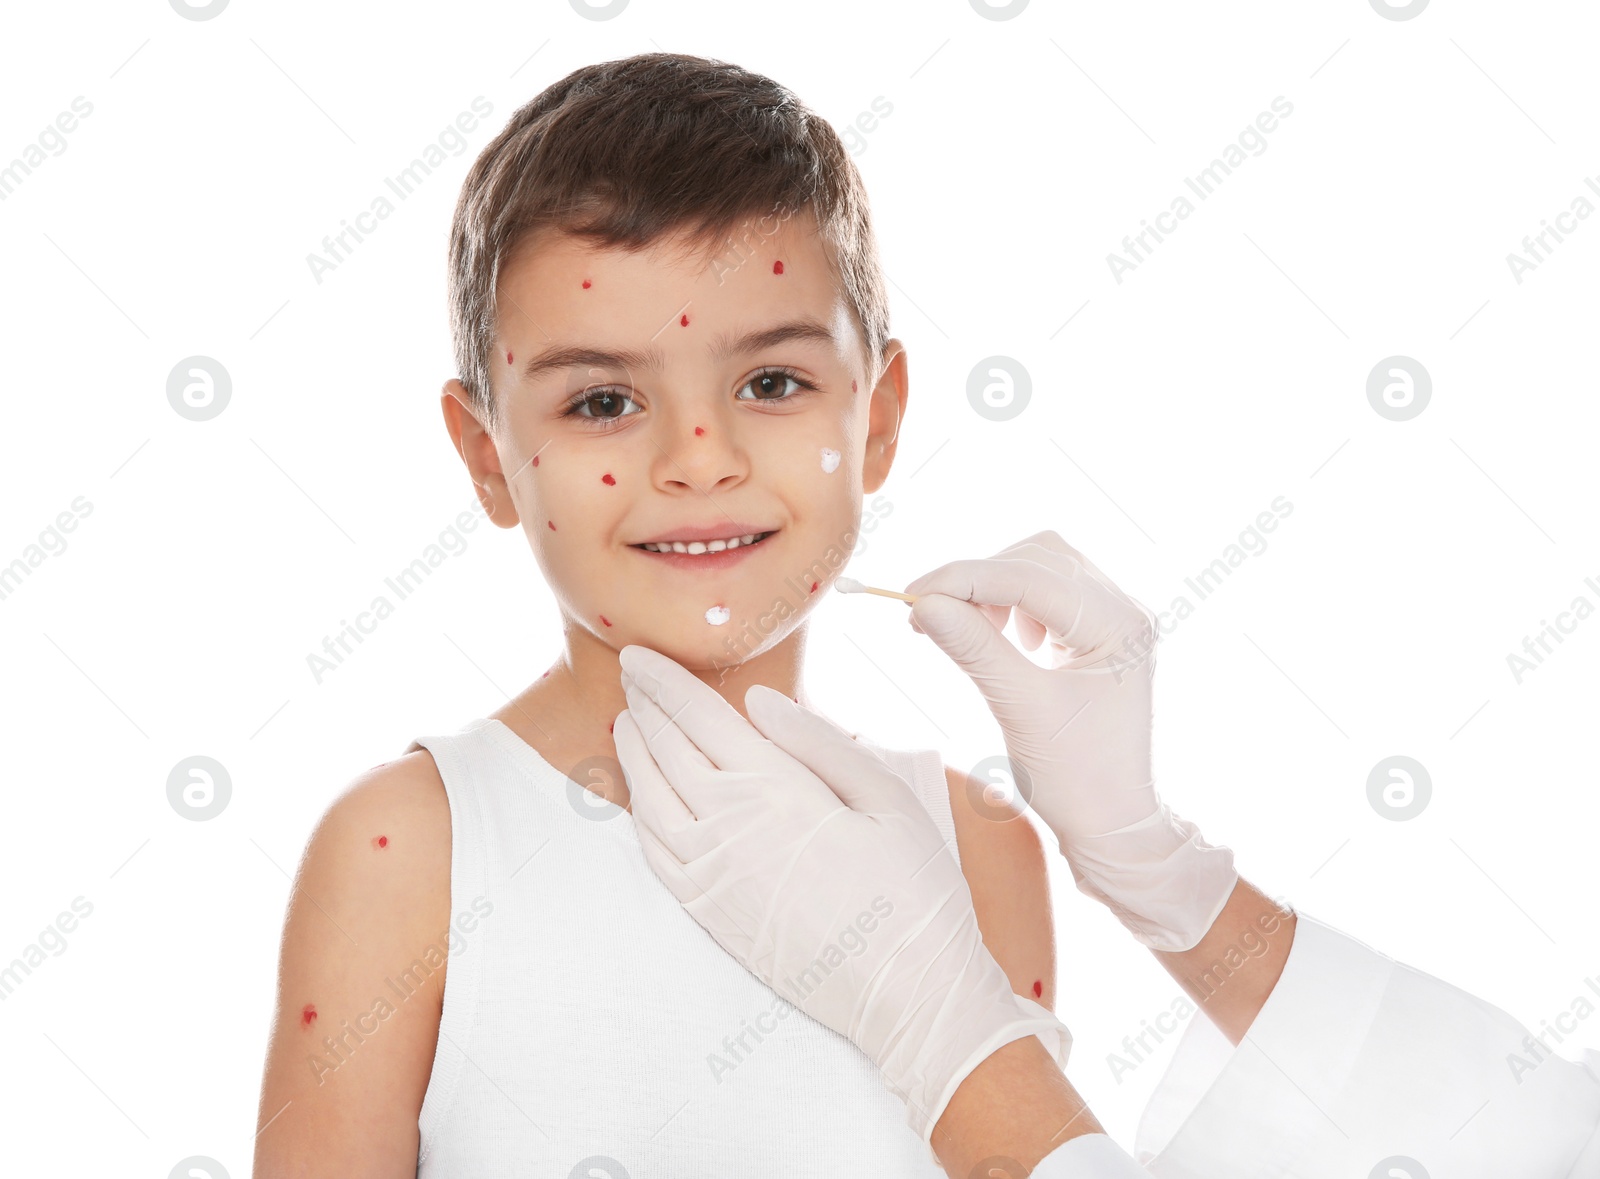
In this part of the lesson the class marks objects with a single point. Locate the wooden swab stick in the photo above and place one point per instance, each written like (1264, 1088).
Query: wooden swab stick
(849, 585)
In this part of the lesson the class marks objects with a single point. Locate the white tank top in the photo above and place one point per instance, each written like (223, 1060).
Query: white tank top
(588, 1019)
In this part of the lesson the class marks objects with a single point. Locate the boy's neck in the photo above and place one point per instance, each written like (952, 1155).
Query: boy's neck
(567, 712)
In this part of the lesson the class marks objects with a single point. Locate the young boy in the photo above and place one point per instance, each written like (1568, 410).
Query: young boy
(676, 377)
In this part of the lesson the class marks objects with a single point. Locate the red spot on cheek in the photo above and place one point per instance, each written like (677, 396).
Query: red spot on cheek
(608, 480)
(308, 1016)
(380, 841)
(777, 268)
(699, 430)
(552, 524)
(1038, 988)
(605, 620)
(684, 320)
(586, 284)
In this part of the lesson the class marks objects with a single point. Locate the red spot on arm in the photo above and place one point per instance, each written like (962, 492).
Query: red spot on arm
(608, 480)
(605, 620)
(699, 430)
(1038, 988)
(777, 267)
(308, 1016)
(552, 524)
(586, 284)
(380, 841)
(684, 320)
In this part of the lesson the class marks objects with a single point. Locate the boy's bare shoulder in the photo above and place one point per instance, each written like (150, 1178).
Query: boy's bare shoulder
(407, 791)
(974, 822)
(372, 891)
(1003, 861)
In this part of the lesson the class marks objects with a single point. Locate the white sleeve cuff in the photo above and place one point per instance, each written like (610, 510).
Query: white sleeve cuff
(1356, 1059)
(1089, 1156)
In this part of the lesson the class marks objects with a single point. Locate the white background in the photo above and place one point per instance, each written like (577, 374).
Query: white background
(1167, 411)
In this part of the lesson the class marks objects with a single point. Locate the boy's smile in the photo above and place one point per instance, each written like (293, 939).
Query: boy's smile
(720, 406)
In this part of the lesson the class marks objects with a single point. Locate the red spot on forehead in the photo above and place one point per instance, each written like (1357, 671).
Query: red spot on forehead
(699, 430)
(605, 620)
(684, 320)
(308, 1016)
(777, 267)
(552, 524)
(586, 284)
(380, 841)
(608, 480)
(1038, 988)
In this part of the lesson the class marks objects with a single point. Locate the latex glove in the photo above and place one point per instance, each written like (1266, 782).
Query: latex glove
(816, 866)
(1078, 733)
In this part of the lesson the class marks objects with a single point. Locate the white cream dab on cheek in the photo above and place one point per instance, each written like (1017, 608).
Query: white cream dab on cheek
(830, 460)
(717, 615)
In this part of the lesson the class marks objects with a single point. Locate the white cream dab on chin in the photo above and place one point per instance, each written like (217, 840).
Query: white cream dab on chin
(830, 460)
(717, 615)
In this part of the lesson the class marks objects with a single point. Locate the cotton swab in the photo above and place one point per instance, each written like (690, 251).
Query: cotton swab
(849, 585)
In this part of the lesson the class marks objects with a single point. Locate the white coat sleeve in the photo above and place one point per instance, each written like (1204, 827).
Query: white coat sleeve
(1088, 1156)
(1356, 1060)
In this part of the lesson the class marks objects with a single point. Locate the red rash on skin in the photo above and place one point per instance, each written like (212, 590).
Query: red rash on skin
(813, 587)
(586, 284)
(612, 728)
(605, 620)
(699, 430)
(852, 386)
(777, 268)
(546, 674)
(552, 524)
(1038, 988)
(508, 356)
(381, 841)
(536, 460)
(308, 1016)
(608, 480)
(684, 320)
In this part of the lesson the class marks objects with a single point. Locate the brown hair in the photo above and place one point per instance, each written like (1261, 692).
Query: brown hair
(626, 152)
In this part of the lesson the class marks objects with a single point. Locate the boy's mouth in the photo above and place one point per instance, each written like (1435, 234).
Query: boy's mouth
(712, 554)
(713, 545)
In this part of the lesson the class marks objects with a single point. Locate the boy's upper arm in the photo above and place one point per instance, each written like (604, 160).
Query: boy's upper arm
(1004, 863)
(350, 1056)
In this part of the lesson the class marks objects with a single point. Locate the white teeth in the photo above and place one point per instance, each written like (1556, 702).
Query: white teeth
(697, 547)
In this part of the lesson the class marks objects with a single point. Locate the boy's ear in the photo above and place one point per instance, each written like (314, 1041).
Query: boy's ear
(476, 447)
(885, 411)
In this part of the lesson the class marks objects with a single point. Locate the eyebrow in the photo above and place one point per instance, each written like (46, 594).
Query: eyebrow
(723, 347)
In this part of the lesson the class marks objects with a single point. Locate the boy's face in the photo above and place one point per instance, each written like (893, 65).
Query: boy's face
(639, 402)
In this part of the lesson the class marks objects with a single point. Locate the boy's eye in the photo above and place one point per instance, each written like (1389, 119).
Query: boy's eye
(607, 399)
(767, 385)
